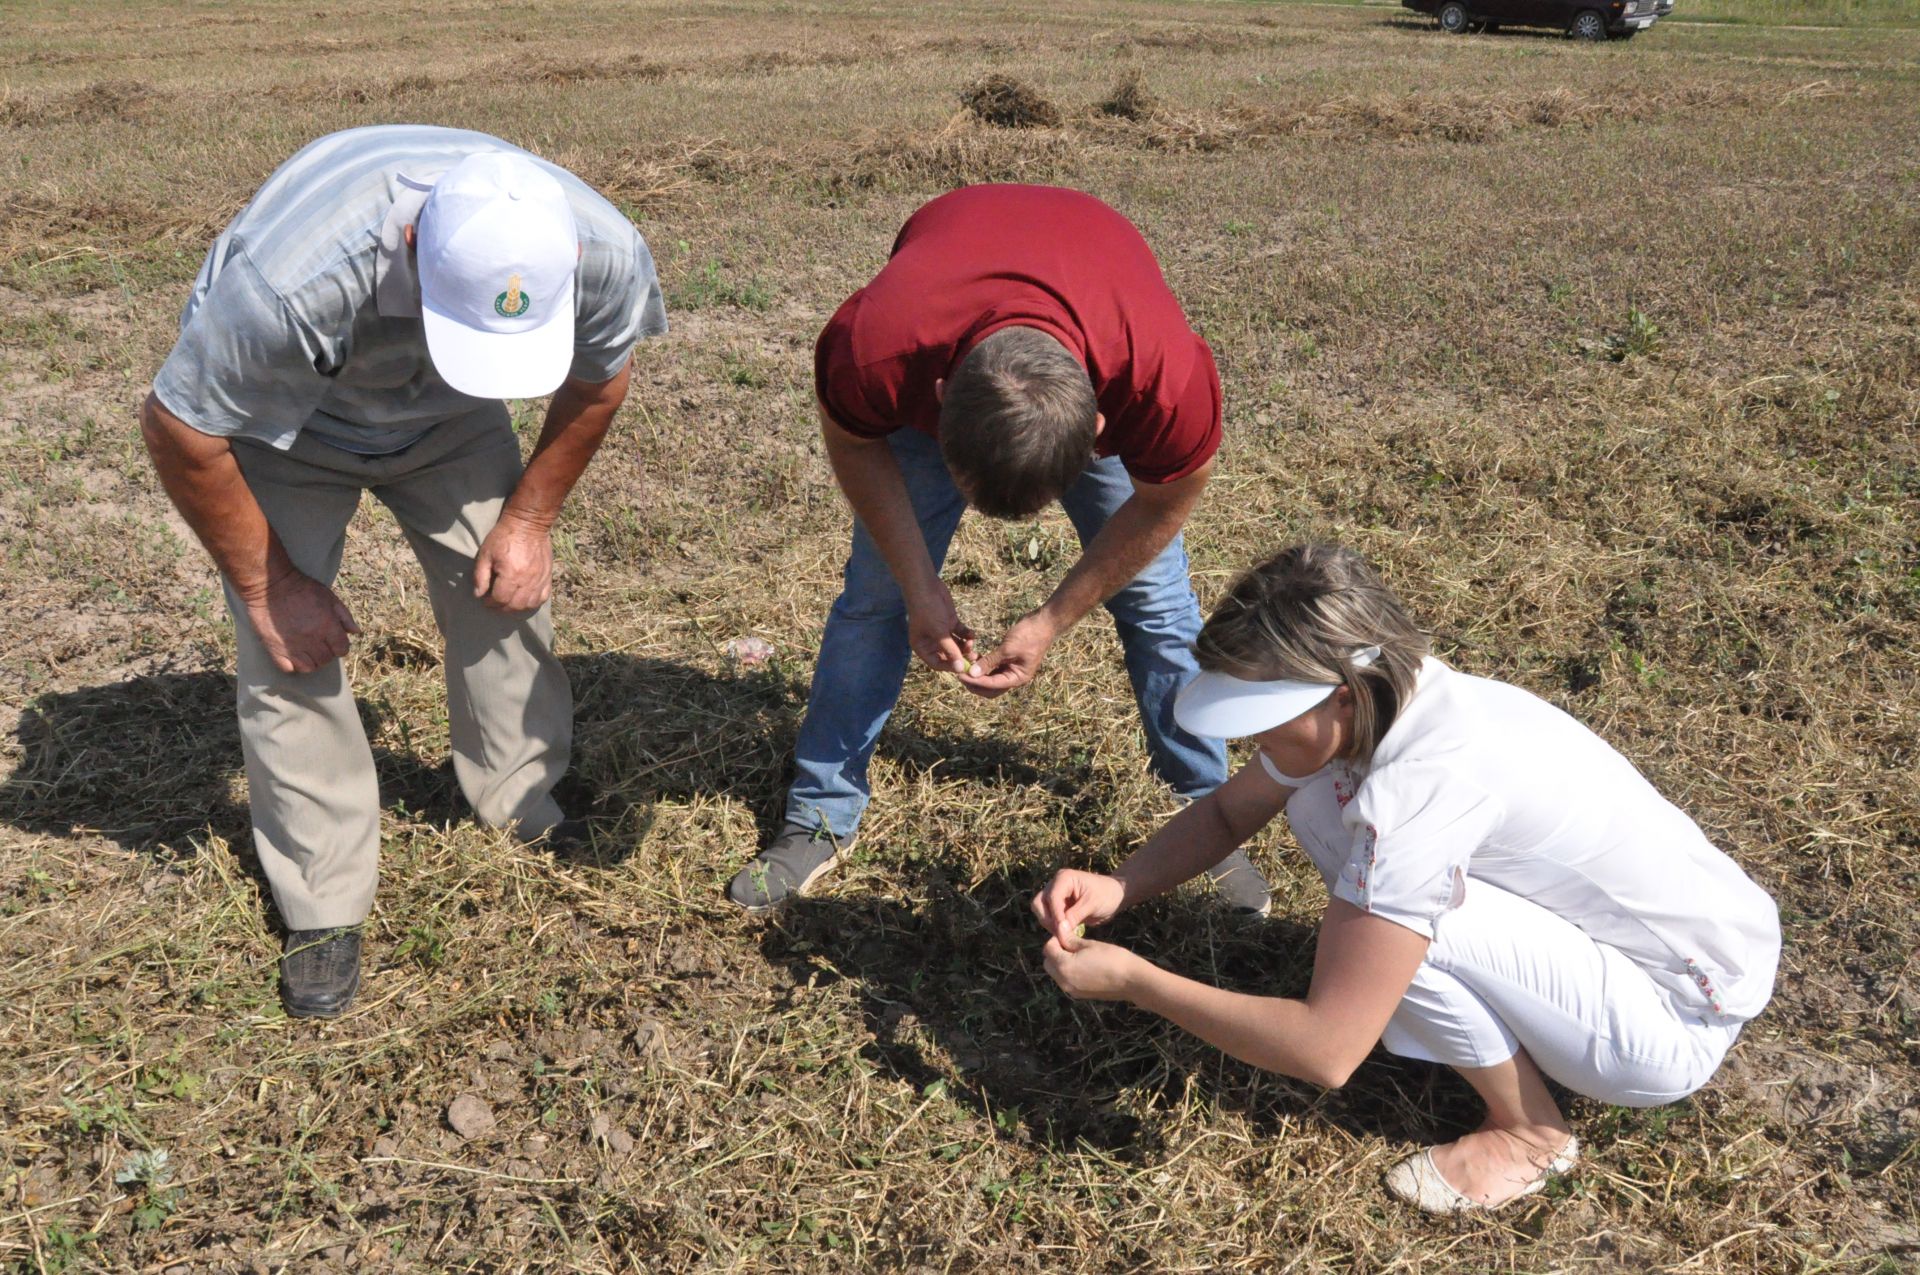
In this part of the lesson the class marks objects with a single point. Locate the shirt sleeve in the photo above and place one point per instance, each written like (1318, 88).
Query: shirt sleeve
(620, 303)
(1413, 829)
(842, 386)
(245, 366)
(1175, 438)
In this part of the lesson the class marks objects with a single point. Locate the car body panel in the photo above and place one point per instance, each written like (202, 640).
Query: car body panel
(1621, 16)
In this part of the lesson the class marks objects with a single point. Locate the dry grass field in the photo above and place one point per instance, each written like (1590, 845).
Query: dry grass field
(1610, 356)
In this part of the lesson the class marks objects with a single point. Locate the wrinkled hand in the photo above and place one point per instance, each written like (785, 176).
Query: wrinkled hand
(936, 634)
(301, 622)
(1096, 972)
(1073, 899)
(1015, 661)
(514, 569)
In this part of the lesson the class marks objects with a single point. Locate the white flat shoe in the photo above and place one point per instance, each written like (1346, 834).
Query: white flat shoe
(1417, 1180)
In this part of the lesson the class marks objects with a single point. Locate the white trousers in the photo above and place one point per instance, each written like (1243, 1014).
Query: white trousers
(1504, 974)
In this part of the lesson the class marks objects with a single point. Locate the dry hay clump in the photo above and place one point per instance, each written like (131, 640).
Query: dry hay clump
(1130, 99)
(582, 70)
(962, 153)
(1465, 118)
(648, 177)
(1454, 118)
(96, 103)
(645, 69)
(1198, 40)
(35, 226)
(1008, 131)
(1006, 102)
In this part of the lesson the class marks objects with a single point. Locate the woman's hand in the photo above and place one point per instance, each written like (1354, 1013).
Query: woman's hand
(1093, 971)
(1073, 899)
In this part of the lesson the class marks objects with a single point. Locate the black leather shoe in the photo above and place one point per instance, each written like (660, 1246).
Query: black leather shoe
(320, 972)
(568, 839)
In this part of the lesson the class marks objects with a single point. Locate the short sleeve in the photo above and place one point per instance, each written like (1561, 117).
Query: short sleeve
(245, 366)
(1413, 830)
(842, 386)
(1172, 439)
(620, 304)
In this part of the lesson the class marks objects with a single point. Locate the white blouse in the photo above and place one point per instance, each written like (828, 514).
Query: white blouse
(1480, 781)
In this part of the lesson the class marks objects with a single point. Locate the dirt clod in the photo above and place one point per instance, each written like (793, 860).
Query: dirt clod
(470, 1116)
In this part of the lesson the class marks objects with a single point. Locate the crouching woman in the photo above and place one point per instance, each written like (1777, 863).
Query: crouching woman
(1507, 894)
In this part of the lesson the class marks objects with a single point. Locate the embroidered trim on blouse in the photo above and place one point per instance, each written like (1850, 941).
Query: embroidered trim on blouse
(1699, 976)
(1363, 879)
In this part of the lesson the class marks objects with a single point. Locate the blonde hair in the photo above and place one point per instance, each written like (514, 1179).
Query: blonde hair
(1302, 615)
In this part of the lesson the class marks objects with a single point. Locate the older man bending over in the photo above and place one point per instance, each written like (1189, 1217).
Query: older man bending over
(355, 329)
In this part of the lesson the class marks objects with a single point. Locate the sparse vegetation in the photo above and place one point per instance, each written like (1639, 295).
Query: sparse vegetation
(1397, 245)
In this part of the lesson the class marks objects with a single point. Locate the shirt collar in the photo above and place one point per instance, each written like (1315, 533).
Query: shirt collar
(396, 282)
(994, 320)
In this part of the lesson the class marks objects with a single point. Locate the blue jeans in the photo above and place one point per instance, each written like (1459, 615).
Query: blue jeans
(864, 653)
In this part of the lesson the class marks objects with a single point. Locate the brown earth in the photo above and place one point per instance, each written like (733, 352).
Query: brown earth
(1609, 356)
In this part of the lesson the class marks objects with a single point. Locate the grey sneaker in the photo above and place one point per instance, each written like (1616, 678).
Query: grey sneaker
(1241, 888)
(794, 860)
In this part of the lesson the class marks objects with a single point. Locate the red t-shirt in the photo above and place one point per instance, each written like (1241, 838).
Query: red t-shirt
(988, 257)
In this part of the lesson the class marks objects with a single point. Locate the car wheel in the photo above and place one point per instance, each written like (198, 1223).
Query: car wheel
(1588, 24)
(1453, 18)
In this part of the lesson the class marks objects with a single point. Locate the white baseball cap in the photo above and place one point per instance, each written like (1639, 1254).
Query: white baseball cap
(497, 248)
(1221, 706)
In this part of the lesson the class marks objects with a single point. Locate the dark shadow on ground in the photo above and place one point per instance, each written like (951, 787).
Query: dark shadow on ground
(150, 762)
(955, 993)
(952, 988)
(647, 730)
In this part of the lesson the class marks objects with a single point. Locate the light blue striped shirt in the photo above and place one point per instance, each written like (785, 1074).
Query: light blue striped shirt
(306, 315)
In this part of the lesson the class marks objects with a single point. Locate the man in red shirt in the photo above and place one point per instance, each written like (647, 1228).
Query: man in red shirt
(1019, 347)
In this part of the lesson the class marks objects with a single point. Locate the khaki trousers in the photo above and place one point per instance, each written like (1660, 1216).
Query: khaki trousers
(310, 777)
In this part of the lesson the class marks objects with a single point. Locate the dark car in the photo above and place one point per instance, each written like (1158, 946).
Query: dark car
(1582, 19)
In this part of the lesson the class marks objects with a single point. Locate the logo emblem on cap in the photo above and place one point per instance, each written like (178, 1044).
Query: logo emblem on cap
(512, 303)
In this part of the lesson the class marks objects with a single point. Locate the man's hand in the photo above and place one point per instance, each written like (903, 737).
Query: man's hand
(1095, 972)
(301, 622)
(514, 569)
(936, 634)
(1015, 661)
(1075, 898)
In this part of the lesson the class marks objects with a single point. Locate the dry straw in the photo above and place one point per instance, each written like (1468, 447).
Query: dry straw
(1006, 102)
(1704, 547)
